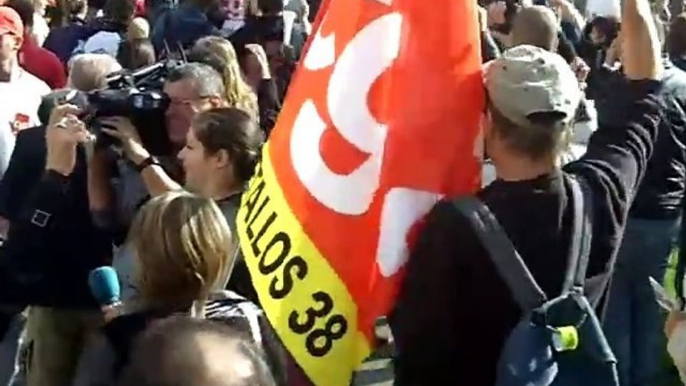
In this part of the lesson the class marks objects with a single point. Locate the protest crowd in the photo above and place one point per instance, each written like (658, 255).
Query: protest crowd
(177, 207)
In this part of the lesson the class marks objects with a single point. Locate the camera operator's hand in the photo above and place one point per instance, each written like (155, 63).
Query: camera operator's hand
(127, 134)
(64, 132)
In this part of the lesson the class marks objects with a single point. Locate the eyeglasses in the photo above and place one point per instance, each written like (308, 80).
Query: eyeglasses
(187, 102)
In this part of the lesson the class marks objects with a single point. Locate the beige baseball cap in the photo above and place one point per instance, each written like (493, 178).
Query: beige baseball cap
(527, 80)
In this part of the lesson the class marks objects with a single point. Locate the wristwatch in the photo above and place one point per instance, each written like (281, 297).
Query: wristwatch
(150, 161)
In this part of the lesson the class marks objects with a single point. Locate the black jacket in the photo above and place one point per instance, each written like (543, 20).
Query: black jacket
(52, 244)
(104, 365)
(454, 311)
(662, 191)
(679, 62)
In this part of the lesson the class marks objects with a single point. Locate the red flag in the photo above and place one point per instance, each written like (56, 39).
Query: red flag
(381, 122)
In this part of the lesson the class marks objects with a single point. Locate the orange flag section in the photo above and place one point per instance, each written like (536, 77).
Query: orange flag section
(380, 122)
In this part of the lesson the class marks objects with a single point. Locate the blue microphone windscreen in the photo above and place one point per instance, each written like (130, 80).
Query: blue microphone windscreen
(104, 285)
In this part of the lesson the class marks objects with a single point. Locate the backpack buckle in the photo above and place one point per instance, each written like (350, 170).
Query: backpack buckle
(565, 338)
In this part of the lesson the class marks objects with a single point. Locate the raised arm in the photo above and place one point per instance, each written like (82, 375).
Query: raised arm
(618, 152)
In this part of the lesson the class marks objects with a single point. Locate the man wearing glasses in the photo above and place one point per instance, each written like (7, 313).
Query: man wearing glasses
(192, 88)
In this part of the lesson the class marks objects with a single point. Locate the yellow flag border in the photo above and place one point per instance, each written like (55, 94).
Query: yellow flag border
(306, 302)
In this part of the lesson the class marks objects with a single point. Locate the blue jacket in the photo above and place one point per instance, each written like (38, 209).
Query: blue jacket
(62, 41)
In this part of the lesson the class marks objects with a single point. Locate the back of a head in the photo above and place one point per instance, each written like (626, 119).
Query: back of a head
(120, 11)
(135, 54)
(607, 26)
(234, 131)
(182, 351)
(536, 26)
(270, 7)
(206, 80)
(24, 9)
(214, 51)
(676, 39)
(533, 98)
(77, 7)
(218, 45)
(183, 247)
(139, 28)
(220, 54)
(207, 56)
(88, 72)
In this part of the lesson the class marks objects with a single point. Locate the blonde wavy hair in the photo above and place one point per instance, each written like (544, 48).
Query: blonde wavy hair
(183, 247)
(238, 93)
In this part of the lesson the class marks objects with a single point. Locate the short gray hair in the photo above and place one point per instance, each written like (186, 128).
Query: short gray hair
(207, 81)
(88, 72)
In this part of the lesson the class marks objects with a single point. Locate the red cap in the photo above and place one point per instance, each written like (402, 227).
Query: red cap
(10, 22)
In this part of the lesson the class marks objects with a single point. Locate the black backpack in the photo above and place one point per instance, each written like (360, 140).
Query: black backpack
(558, 341)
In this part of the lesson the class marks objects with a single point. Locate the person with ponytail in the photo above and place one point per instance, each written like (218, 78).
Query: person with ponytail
(221, 152)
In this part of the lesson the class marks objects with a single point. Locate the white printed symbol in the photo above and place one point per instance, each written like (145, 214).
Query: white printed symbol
(366, 57)
(350, 194)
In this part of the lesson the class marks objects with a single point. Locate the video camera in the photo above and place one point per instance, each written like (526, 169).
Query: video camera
(136, 95)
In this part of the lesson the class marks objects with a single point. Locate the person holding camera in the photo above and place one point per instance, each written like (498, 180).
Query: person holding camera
(218, 149)
(220, 155)
(59, 314)
(191, 89)
(65, 298)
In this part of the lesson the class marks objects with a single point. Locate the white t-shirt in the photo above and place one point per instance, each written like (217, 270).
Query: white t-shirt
(20, 99)
(40, 29)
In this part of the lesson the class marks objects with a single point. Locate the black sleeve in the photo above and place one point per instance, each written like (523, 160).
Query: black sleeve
(606, 81)
(616, 159)
(565, 47)
(44, 204)
(269, 105)
(24, 170)
(29, 236)
(425, 332)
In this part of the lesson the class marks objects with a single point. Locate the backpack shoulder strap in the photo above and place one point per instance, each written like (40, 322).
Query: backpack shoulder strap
(502, 252)
(580, 241)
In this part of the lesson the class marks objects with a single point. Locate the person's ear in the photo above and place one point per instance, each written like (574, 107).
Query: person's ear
(222, 159)
(18, 40)
(486, 125)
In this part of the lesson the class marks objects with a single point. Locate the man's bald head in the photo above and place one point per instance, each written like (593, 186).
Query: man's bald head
(183, 351)
(536, 26)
